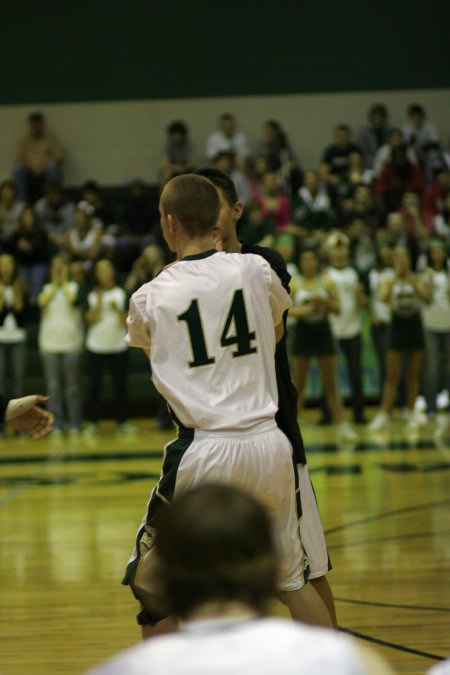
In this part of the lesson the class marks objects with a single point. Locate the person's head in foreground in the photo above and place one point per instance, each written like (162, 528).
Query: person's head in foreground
(217, 571)
(214, 547)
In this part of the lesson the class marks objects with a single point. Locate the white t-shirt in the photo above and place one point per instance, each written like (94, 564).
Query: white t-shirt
(436, 314)
(381, 310)
(269, 646)
(61, 329)
(209, 323)
(347, 324)
(218, 142)
(107, 335)
(10, 331)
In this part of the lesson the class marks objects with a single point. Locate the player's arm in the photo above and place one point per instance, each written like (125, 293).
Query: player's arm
(138, 334)
(333, 303)
(279, 331)
(279, 298)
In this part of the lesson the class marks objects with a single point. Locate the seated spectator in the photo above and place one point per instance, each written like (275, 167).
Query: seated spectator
(384, 154)
(374, 133)
(275, 205)
(422, 135)
(362, 246)
(256, 228)
(313, 213)
(39, 160)
(228, 139)
(435, 193)
(139, 225)
(226, 163)
(398, 176)
(55, 211)
(287, 247)
(361, 204)
(441, 222)
(105, 345)
(177, 152)
(83, 240)
(355, 176)
(102, 214)
(30, 246)
(336, 159)
(61, 336)
(13, 335)
(216, 567)
(275, 147)
(10, 212)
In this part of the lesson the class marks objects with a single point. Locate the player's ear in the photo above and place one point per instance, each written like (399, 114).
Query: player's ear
(238, 211)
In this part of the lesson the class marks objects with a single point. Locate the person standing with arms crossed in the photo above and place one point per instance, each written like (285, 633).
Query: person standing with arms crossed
(311, 529)
(209, 324)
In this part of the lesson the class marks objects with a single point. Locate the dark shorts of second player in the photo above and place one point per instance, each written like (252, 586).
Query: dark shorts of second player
(313, 340)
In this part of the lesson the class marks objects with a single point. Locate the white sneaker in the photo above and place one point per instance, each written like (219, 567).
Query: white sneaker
(347, 433)
(126, 428)
(380, 421)
(91, 430)
(416, 419)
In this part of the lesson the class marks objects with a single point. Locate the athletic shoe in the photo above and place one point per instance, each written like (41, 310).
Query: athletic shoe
(91, 430)
(126, 428)
(380, 420)
(416, 419)
(347, 433)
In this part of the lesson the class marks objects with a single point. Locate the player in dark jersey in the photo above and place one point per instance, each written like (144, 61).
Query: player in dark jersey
(311, 530)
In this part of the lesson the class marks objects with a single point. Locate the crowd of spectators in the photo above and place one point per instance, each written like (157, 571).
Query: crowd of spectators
(381, 187)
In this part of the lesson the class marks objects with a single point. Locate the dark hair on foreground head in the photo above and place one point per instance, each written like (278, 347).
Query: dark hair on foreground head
(221, 181)
(193, 201)
(214, 543)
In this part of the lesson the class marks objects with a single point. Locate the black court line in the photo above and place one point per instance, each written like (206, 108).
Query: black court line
(83, 457)
(392, 645)
(87, 456)
(421, 608)
(29, 480)
(388, 514)
(394, 537)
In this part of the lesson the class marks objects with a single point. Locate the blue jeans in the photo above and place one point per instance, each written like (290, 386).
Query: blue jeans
(62, 376)
(14, 355)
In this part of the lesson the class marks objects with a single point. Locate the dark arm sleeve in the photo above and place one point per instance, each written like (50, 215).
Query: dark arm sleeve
(4, 400)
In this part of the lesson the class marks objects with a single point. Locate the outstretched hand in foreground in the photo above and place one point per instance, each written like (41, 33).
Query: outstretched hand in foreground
(26, 416)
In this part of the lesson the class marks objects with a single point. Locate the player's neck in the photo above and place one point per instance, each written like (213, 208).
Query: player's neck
(195, 246)
(232, 245)
(222, 610)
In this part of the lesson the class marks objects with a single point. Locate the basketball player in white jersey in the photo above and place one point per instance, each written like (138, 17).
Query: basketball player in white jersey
(209, 325)
(217, 566)
(311, 529)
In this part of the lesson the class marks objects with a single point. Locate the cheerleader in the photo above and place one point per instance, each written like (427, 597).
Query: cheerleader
(404, 292)
(315, 298)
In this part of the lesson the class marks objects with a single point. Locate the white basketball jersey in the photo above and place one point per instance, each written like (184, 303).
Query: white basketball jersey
(208, 321)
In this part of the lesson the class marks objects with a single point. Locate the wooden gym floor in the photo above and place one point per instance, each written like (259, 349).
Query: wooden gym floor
(70, 507)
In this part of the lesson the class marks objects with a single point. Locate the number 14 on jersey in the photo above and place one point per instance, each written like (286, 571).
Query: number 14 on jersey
(242, 337)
